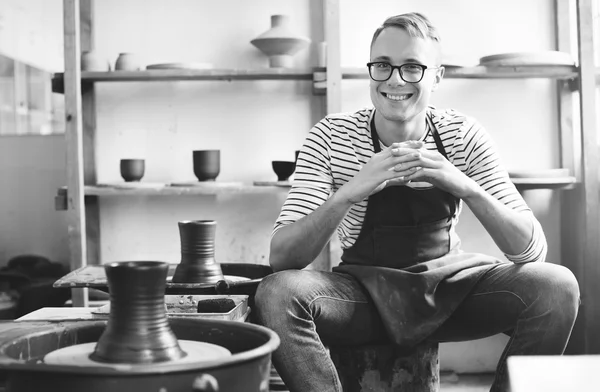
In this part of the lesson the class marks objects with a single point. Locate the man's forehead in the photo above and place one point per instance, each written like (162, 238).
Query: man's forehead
(396, 44)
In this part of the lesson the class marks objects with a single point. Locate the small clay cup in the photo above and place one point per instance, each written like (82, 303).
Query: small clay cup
(132, 169)
(207, 164)
(283, 169)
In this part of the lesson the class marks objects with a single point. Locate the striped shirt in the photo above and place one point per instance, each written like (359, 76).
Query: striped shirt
(338, 146)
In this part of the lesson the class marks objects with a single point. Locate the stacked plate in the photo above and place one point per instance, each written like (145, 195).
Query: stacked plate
(191, 66)
(540, 58)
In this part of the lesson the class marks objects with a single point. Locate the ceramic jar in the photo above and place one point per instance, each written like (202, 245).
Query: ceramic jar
(127, 62)
(280, 43)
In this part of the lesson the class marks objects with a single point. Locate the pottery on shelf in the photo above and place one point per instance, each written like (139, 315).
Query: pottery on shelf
(127, 62)
(207, 164)
(137, 330)
(280, 43)
(283, 169)
(198, 264)
(132, 169)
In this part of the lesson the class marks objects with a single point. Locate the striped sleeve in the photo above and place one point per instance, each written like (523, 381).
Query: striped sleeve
(482, 163)
(313, 180)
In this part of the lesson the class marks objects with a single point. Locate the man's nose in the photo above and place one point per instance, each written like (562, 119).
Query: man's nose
(395, 78)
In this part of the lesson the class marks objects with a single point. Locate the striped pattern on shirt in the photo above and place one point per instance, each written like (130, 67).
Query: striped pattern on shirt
(338, 146)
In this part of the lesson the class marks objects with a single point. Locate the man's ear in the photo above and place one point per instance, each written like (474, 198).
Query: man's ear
(439, 75)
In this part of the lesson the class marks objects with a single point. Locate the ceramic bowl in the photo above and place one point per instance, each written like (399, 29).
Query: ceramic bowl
(207, 164)
(132, 169)
(283, 169)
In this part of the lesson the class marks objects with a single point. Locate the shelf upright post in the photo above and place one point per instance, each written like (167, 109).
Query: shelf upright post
(331, 24)
(74, 144)
(570, 157)
(580, 210)
(589, 193)
(88, 104)
(331, 9)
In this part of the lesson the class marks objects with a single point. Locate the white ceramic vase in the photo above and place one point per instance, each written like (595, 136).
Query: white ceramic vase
(280, 43)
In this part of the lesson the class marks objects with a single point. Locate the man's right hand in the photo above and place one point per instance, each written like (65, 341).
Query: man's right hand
(388, 167)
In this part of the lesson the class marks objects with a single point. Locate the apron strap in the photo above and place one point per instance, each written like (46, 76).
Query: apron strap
(454, 201)
(436, 137)
(431, 128)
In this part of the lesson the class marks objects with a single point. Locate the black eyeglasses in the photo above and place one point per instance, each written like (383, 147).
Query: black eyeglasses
(381, 71)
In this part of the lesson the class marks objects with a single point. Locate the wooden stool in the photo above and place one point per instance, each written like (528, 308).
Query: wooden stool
(385, 368)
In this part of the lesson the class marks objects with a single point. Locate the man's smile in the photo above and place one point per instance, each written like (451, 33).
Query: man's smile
(396, 97)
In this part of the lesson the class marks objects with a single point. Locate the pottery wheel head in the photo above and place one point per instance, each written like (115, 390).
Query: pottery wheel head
(79, 355)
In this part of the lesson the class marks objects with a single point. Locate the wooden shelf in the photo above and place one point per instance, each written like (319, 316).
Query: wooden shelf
(545, 183)
(181, 190)
(233, 188)
(481, 72)
(185, 74)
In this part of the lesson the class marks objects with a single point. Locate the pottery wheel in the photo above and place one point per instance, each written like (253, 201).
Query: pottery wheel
(79, 355)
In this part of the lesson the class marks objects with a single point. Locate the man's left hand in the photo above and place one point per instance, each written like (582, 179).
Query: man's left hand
(432, 167)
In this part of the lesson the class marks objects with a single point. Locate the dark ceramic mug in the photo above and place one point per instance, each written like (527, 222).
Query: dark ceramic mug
(283, 169)
(132, 169)
(207, 164)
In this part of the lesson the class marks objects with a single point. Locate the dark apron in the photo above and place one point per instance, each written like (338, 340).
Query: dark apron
(402, 257)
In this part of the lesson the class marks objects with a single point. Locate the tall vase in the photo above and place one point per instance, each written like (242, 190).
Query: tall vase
(198, 264)
(137, 330)
(280, 43)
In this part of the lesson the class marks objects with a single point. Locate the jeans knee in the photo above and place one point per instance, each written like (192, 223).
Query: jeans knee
(562, 290)
(275, 294)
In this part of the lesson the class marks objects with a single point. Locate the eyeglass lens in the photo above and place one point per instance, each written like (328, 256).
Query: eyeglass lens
(410, 73)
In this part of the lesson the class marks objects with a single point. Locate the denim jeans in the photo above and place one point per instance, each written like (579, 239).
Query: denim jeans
(535, 304)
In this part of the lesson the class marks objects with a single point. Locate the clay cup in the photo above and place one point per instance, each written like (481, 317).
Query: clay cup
(207, 164)
(132, 169)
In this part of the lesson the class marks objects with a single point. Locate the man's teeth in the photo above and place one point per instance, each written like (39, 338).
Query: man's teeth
(397, 97)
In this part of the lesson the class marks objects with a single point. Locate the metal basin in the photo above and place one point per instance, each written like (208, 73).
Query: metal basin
(24, 344)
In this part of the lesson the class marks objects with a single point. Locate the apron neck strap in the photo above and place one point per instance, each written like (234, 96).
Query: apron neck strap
(430, 128)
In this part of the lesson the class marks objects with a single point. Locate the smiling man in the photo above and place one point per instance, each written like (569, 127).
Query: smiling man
(391, 180)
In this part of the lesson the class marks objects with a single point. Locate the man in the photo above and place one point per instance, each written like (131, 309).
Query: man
(391, 180)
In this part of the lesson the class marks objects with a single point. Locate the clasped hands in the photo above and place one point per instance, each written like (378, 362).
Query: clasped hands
(404, 162)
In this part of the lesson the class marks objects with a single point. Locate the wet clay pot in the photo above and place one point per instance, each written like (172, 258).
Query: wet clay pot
(137, 330)
(198, 264)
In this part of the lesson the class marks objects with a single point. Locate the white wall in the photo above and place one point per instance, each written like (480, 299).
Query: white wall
(32, 168)
(31, 32)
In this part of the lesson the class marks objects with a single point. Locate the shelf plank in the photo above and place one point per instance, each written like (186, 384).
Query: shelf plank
(189, 74)
(270, 187)
(482, 72)
(545, 183)
(208, 189)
